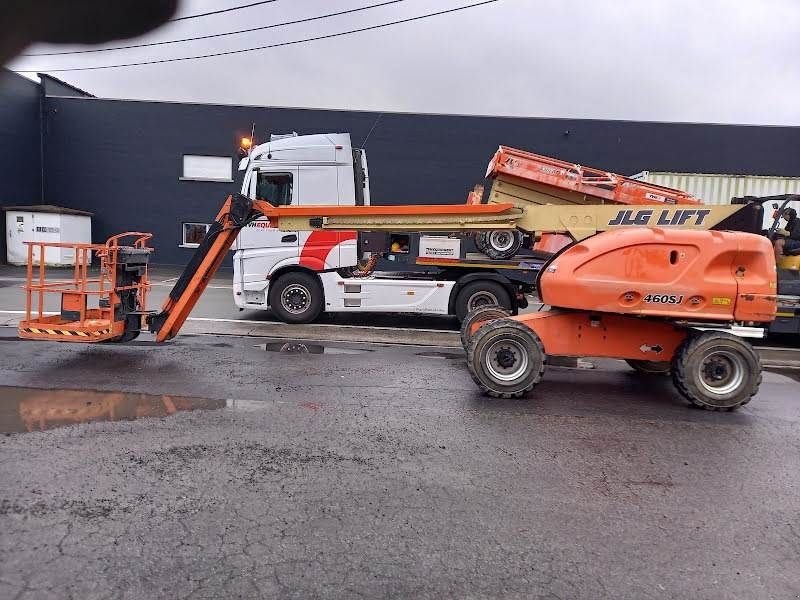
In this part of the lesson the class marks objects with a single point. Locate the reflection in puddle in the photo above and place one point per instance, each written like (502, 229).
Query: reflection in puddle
(307, 348)
(31, 409)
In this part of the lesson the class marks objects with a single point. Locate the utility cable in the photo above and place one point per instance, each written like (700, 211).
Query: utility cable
(223, 10)
(266, 47)
(215, 35)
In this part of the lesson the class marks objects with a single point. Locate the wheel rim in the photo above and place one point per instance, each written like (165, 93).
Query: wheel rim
(295, 298)
(722, 372)
(506, 360)
(501, 240)
(481, 298)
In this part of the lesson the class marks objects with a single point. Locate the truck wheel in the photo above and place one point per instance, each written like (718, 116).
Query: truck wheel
(716, 371)
(506, 358)
(502, 243)
(296, 297)
(481, 314)
(481, 293)
(650, 367)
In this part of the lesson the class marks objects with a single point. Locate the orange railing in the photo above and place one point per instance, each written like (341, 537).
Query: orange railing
(604, 185)
(82, 285)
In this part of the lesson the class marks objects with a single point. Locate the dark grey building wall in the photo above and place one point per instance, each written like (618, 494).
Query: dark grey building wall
(122, 160)
(20, 164)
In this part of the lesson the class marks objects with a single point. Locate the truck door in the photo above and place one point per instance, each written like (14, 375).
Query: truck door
(281, 188)
(260, 247)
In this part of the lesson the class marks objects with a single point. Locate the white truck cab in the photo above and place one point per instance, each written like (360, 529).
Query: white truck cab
(298, 275)
(297, 170)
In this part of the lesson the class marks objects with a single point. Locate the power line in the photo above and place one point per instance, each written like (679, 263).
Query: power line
(224, 10)
(279, 45)
(215, 35)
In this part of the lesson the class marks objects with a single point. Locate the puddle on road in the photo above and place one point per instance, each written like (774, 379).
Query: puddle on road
(307, 348)
(31, 409)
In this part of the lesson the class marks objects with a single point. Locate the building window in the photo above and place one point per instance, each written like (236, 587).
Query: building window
(207, 168)
(193, 234)
(275, 188)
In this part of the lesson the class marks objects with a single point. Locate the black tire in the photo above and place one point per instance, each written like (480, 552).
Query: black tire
(506, 358)
(482, 292)
(296, 297)
(482, 313)
(480, 240)
(716, 370)
(650, 367)
(502, 243)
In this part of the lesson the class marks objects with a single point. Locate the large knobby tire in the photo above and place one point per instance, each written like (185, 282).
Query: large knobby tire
(650, 367)
(481, 314)
(296, 297)
(502, 243)
(716, 370)
(483, 292)
(480, 240)
(506, 358)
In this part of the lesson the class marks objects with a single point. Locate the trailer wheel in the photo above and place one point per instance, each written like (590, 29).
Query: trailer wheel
(482, 313)
(502, 243)
(716, 371)
(650, 367)
(482, 292)
(506, 358)
(296, 297)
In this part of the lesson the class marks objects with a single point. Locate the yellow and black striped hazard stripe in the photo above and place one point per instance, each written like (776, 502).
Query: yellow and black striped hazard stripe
(66, 332)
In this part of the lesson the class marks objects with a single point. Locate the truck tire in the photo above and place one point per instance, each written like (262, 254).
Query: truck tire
(482, 313)
(506, 358)
(716, 370)
(296, 297)
(650, 367)
(502, 243)
(482, 292)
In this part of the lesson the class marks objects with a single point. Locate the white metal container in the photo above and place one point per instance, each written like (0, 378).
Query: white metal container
(714, 188)
(45, 223)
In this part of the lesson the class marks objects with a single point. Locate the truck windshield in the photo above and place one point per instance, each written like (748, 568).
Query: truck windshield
(275, 188)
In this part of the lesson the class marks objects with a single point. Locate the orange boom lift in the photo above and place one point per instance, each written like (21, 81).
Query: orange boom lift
(653, 286)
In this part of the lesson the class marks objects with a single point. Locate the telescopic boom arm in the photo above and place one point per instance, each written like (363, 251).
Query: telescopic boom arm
(579, 221)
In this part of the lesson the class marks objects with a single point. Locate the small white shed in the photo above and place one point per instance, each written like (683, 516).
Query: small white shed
(45, 223)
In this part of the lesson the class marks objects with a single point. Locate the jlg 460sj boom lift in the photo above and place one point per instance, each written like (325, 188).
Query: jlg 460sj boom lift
(647, 284)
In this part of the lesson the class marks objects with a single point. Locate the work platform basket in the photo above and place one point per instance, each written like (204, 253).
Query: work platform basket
(95, 305)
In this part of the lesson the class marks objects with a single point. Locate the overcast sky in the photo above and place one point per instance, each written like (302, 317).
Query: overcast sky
(734, 61)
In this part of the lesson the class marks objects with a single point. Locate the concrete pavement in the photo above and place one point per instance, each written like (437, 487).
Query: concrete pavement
(369, 471)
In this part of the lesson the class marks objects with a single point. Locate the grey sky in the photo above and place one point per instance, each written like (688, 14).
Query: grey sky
(735, 61)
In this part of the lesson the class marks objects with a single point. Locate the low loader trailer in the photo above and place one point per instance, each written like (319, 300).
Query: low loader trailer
(654, 284)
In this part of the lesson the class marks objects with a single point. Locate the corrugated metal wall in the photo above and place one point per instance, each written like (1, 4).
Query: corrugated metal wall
(719, 189)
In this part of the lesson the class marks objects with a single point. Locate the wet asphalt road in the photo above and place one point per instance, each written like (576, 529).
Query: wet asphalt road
(383, 474)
